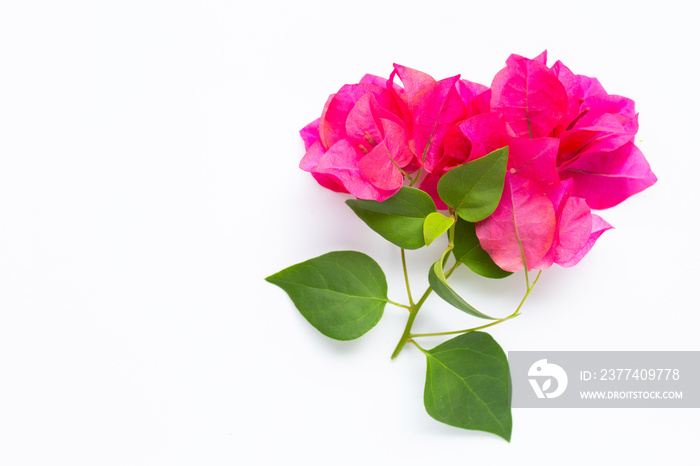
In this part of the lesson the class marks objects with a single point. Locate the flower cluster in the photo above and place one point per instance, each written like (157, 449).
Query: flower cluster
(570, 149)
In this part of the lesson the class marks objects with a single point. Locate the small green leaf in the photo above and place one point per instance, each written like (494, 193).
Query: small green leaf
(437, 280)
(435, 225)
(469, 252)
(342, 293)
(398, 219)
(468, 384)
(474, 188)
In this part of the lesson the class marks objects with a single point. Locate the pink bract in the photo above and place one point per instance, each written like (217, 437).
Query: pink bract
(521, 228)
(530, 97)
(361, 142)
(571, 149)
(572, 140)
(371, 134)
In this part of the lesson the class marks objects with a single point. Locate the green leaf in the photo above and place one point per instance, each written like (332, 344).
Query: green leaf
(474, 188)
(398, 219)
(469, 252)
(468, 384)
(438, 282)
(435, 225)
(342, 293)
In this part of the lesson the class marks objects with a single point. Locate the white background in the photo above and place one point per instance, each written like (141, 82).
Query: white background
(149, 182)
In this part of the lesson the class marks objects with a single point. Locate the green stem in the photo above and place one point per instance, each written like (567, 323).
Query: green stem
(527, 278)
(451, 232)
(406, 333)
(411, 317)
(534, 283)
(415, 179)
(397, 304)
(405, 275)
(456, 332)
(413, 311)
(454, 267)
(418, 346)
(406, 175)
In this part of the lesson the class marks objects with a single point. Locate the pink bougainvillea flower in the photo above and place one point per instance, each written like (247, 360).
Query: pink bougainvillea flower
(361, 142)
(595, 129)
(371, 134)
(597, 148)
(571, 149)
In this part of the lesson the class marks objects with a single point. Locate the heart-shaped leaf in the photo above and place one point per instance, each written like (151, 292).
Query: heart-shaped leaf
(398, 219)
(437, 280)
(342, 293)
(468, 385)
(469, 252)
(435, 225)
(474, 188)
